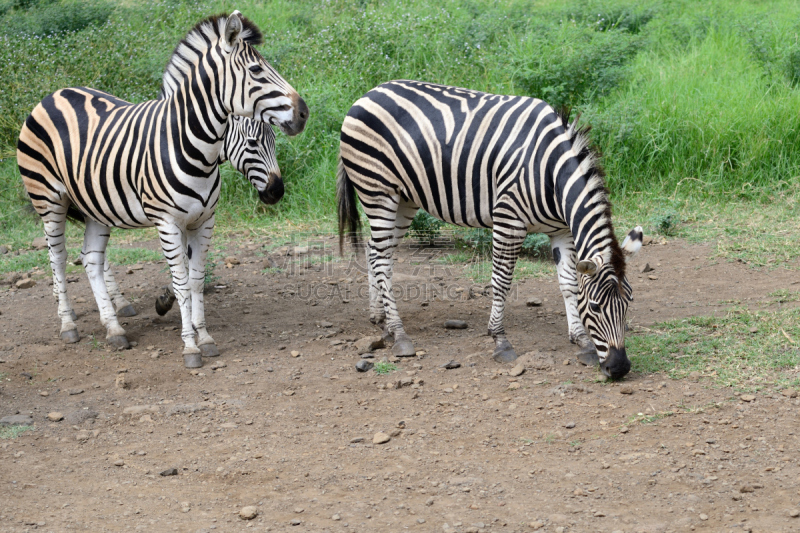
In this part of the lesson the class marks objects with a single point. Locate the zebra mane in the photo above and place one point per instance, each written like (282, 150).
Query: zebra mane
(203, 36)
(589, 156)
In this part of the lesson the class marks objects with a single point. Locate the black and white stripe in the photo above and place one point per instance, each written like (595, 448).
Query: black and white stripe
(482, 160)
(125, 165)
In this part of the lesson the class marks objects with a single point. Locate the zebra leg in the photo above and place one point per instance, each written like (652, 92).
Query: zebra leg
(507, 238)
(54, 228)
(93, 257)
(564, 256)
(123, 306)
(197, 250)
(172, 243)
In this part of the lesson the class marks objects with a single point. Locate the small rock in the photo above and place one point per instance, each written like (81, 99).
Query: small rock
(455, 324)
(298, 510)
(694, 376)
(295, 521)
(44, 393)
(26, 375)
(248, 513)
(534, 302)
(536, 526)
(652, 277)
(451, 365)
(39, 243)
(369, 344)
(753, 330)
(16, 420)
(794, 513)
(703, 517)
(119, 462)
(120, 382)
(3, 250)
(79, 416)
(516, 371)
(356, 440)
(381, 438)
(364, 365)
(569, 425)
(746, 488)
(73, 392)
(232, 260)
(325, 324)
(295, 353)
(747, 397)
(429, 502)
(336, 517)
(789, 393)
(288, 393)
(170, 472)
(626, 389)
(55, 416)
(624, 429)
(647, 268)
(26, 283)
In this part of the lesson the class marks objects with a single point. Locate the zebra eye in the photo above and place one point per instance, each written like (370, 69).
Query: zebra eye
(255, 69)
(252, 143)
(594, 307)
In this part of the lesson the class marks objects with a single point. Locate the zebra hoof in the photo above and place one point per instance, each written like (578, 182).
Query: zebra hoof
(71, 336)
(165, 301)
(118, 341)
(588, 357)
(192, 360)
(403, 347)
(505, 356)
(73, 316)
(126, 311)
(209, 350)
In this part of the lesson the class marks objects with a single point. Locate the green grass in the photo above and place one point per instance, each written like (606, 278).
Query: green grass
(27, 261)
(385, 367)
(723, 350)
(12, 432)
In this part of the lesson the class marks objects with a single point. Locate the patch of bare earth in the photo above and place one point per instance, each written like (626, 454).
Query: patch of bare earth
(470, 449)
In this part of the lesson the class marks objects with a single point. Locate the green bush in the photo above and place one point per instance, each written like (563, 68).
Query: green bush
(51, 17)
(425, 227)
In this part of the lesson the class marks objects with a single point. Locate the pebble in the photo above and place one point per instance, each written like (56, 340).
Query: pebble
(381, 438)
(73, 392)
(369, 344)
(120, 382)
(25, 283)
(536, 525)
(295, 353)
(626, 389)
(624, 429)
(44, 393)
(16, 420)
(288, 393)
(248, 513)
(569, 425)
(55, 416)
(753, 330)
(652, 277)
(78, 417)
(794, 513)
(647, 268)
(298, 510)
(119, 462)
(746, 488)
(534, 302)
(451, 365)
(516, 371)
(789, 393)
(703, 516)
(747, 397)
(336, 517)
(295, 521)
(170, 472)
(363, 365)
(232, 260)
(455, 324)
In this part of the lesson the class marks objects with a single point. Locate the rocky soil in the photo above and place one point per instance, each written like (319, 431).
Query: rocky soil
(282, 433)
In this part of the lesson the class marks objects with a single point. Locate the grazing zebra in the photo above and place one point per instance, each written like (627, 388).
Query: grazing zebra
(151, 164)
(508, 163)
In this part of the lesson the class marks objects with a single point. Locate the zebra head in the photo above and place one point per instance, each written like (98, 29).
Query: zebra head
(258, 91)
(218, 56)
(250, 147)
(603, 300)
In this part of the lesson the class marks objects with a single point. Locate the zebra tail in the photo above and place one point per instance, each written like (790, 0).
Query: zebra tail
(75, 215)
(349, 220)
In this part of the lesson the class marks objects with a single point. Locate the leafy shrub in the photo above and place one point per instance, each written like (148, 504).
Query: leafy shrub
(46, 18)
(536, 245)
(478, 239)
(573, 64)
(425, 227)
(666, 221)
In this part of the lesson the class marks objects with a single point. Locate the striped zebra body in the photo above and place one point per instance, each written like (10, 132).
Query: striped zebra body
(151, 164)
(481, 160)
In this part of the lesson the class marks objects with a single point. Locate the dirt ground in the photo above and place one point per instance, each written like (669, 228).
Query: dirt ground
(472, 449)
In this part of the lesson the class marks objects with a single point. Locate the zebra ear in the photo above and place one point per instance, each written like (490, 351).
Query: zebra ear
(233, 27)
(588, 268)
(632, 242)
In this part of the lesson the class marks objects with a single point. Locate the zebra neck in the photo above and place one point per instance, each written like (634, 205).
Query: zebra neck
(592, 230)
(202, 120)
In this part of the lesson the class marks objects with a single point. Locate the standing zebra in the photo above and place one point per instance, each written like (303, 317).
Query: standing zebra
(509, 163)
(151, 164)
